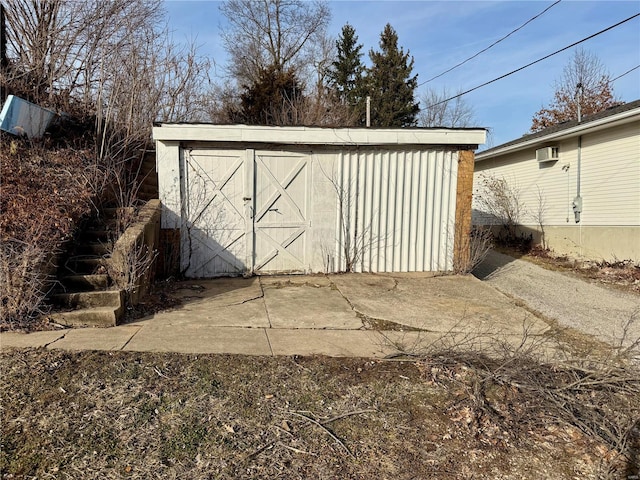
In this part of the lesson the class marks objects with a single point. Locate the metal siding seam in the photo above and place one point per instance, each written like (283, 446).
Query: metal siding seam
(430, 221)
(375, 208)
(413, 239)
(453, 202)
(406, 211)
(437, 220)
(337, 184)
(368, 220)
(446, 224)
(397, 230)
(384, 216)
(422, 207)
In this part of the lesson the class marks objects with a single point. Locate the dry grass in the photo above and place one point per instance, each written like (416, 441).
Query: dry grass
(137, 415)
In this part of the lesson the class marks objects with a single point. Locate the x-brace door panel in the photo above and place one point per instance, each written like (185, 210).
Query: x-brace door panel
(214, 218)
(281, 219)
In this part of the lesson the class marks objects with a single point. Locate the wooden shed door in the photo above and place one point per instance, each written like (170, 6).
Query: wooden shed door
(246, 212)
(281, 221)
(214, 230)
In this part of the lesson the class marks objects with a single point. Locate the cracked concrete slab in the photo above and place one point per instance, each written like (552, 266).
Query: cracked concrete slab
(309, 307)
(219, 292)
(95, 338)
(223, 302)
(29, 340)
(201, 339)
(280, 281)
(436, 303)
(333, 343)
(249, 314)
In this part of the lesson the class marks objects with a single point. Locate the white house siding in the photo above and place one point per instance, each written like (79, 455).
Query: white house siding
(611, 177)
(610, 188)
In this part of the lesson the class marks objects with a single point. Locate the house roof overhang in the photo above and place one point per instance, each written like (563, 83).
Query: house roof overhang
(204, 132)
(574, 129)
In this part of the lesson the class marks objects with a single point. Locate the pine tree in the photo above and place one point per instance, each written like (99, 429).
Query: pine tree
(272, 99)
(390, 84)
(345, 73)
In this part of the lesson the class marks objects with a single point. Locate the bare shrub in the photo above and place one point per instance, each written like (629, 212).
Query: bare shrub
(23, 283)
(507, 390)
(478, 243)
(130, 264)
(501, 200)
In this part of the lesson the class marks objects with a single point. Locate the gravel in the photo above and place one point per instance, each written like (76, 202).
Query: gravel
(593, 309)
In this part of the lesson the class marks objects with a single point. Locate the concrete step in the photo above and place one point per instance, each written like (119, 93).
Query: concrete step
(85, 265)
(85, 282)
(91, 235)
(93, 317)
(94, 248)
(98, 298)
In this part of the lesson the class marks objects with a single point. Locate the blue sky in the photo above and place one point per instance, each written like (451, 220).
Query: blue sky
(441, 34)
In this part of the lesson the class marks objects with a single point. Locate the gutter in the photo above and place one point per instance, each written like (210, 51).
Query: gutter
(620, 118)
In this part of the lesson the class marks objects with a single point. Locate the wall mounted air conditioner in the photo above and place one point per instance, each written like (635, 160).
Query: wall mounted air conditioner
(547, 154)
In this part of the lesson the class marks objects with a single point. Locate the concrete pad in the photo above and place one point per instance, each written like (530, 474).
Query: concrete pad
(29, 340)
(279, 281)
(309, 307)
(437, 304)
(223, 302)
(203, 313)
(201, 339)
(95, 338)
(218, 292)
(334, 343)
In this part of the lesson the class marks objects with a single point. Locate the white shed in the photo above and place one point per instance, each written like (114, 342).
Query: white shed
(260, 200)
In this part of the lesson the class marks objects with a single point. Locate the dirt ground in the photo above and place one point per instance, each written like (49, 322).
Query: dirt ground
(146, 415)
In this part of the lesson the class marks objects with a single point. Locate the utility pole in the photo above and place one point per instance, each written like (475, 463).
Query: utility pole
(368, 111)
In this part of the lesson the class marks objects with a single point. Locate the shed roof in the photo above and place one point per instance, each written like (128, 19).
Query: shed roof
(206, 132)
(619, 114)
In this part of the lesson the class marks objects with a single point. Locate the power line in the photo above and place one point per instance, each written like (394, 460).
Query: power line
(625, 73)
(537, 61)
(493, 44)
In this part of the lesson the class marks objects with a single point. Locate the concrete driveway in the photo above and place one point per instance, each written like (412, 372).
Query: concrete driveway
(370, 315)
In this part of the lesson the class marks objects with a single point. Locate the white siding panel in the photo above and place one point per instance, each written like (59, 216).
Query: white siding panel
(610, 180)
(611, 176)
(399, 210)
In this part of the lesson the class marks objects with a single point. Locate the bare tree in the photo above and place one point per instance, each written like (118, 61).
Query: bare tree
(440, 112)
(586, 83)
(114, 62)
(280, 33)
(539, 215)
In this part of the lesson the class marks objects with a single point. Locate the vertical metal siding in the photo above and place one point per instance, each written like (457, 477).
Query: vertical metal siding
(398, 210)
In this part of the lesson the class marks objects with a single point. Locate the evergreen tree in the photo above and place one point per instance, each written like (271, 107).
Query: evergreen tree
(345, 73)
(390, 84)
(272, 99)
